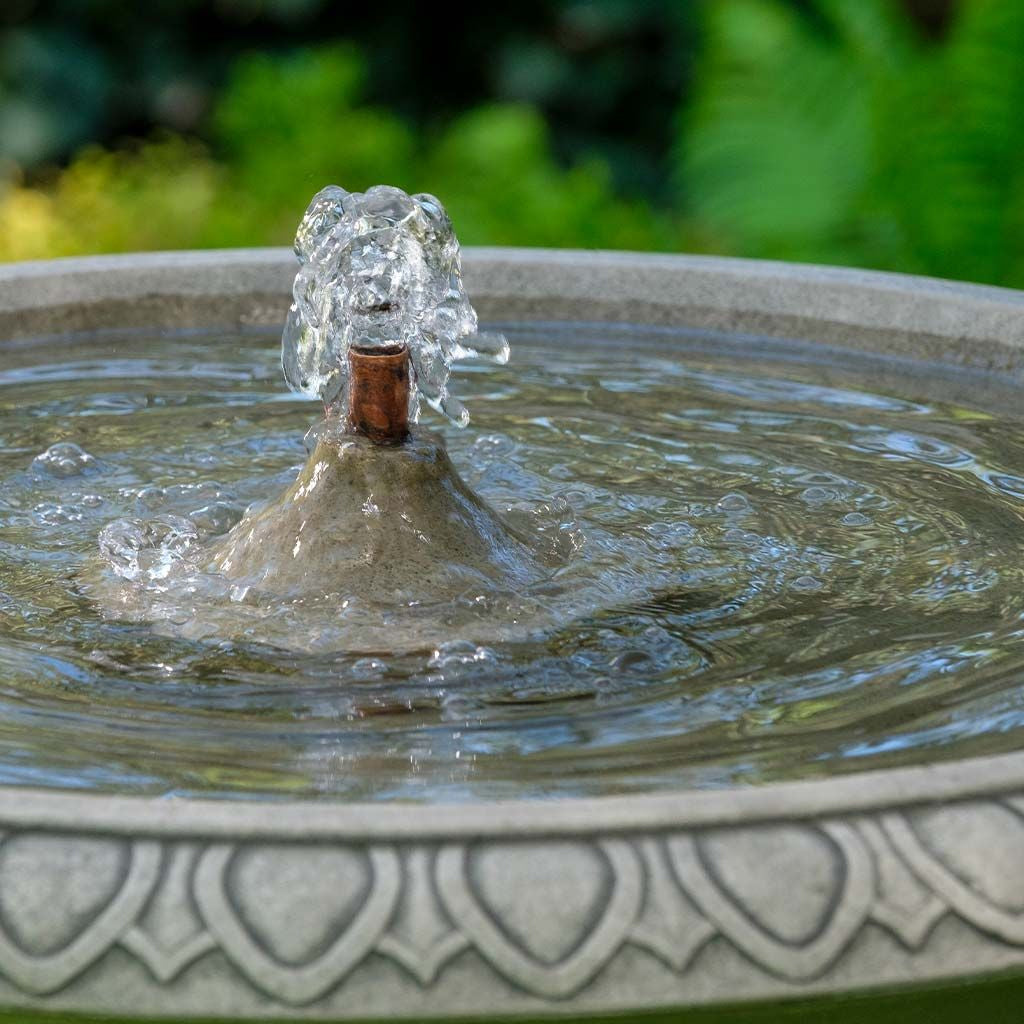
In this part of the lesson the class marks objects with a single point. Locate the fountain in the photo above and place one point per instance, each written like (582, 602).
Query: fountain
(378, 517)
(685, 678)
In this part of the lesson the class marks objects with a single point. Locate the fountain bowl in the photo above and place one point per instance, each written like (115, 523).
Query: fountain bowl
(212, 909)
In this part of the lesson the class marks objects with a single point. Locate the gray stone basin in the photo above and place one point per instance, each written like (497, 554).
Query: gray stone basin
(137, 907)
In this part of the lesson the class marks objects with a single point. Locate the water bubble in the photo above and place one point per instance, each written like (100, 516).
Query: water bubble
(1005, 482)
(456, 653)
(153, 497)
(369, 668)
(818, 477)
(733, 502)
(855, 519)
(806, 583)
(63, 460)
(215, 519)
(556, 522)
(668, 536)
(492, 445)
(921, 447)
(818, 495)
(137, 549)
(178, 497)
(698, 554)
(457, 707)
(50, 513)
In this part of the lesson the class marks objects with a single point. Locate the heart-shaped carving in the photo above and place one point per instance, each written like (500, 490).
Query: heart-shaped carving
(296, 920)
(547, 916)
(737, 877)
(65, 901)
(271, 887)
(972, 855)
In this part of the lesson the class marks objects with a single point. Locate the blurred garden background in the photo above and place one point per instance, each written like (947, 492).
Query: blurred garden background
(881, 133)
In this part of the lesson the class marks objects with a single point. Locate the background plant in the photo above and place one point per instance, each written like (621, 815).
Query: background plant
(866, 132)
(838, 133)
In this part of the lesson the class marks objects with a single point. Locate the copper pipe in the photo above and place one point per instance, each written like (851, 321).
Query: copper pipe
(378, 406)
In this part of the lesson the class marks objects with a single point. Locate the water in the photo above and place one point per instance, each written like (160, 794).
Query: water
(796, 570)
(380, 268)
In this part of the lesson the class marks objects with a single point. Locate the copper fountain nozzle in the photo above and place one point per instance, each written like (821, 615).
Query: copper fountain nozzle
(378, 405)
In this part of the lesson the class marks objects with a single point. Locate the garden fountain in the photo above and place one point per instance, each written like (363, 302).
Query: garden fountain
(716, 704)
(378, 536)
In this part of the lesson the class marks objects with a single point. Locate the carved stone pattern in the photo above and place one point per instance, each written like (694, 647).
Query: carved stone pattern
(542, 917)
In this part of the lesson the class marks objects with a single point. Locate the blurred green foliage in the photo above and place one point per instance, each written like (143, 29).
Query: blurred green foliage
(847, 138)
(869, 132)
(285, 126)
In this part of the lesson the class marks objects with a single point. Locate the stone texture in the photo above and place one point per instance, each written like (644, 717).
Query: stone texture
(421, 535)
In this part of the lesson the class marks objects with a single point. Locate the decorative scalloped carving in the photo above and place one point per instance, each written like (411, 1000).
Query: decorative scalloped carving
(972, 857)
(545, 918)
(62, 868)
(298, 979)
(421, 938)
(808, 891)
(574, 937)
(670, 926)
(903, 905)
(169, 934)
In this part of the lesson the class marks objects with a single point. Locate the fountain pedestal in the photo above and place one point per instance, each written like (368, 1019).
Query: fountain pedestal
(394, 524)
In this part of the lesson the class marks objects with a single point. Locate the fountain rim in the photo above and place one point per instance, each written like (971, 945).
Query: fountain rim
(968, 325)
(31, 808)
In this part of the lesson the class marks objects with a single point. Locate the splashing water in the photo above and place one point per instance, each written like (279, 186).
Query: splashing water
(377, 268)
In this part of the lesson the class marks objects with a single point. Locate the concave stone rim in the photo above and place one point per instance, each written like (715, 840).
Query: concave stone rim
(670, 899)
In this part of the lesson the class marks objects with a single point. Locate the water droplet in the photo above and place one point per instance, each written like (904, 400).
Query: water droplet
(817, 495)
(215, 519)
(855, 519)
(63, 460)
(369, 668)
(806, 583)
(733, 502)
(135, 548)
(458, 653)
(49, 513)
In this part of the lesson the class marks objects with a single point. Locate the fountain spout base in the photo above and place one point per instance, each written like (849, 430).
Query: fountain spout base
(393, 524)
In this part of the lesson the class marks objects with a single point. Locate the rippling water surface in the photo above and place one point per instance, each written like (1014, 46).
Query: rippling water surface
(825, 575)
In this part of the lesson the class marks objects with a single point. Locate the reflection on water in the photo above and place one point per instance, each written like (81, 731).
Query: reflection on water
(815, 571)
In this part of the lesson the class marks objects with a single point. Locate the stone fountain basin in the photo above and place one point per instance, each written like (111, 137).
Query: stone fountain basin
(137, 907)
